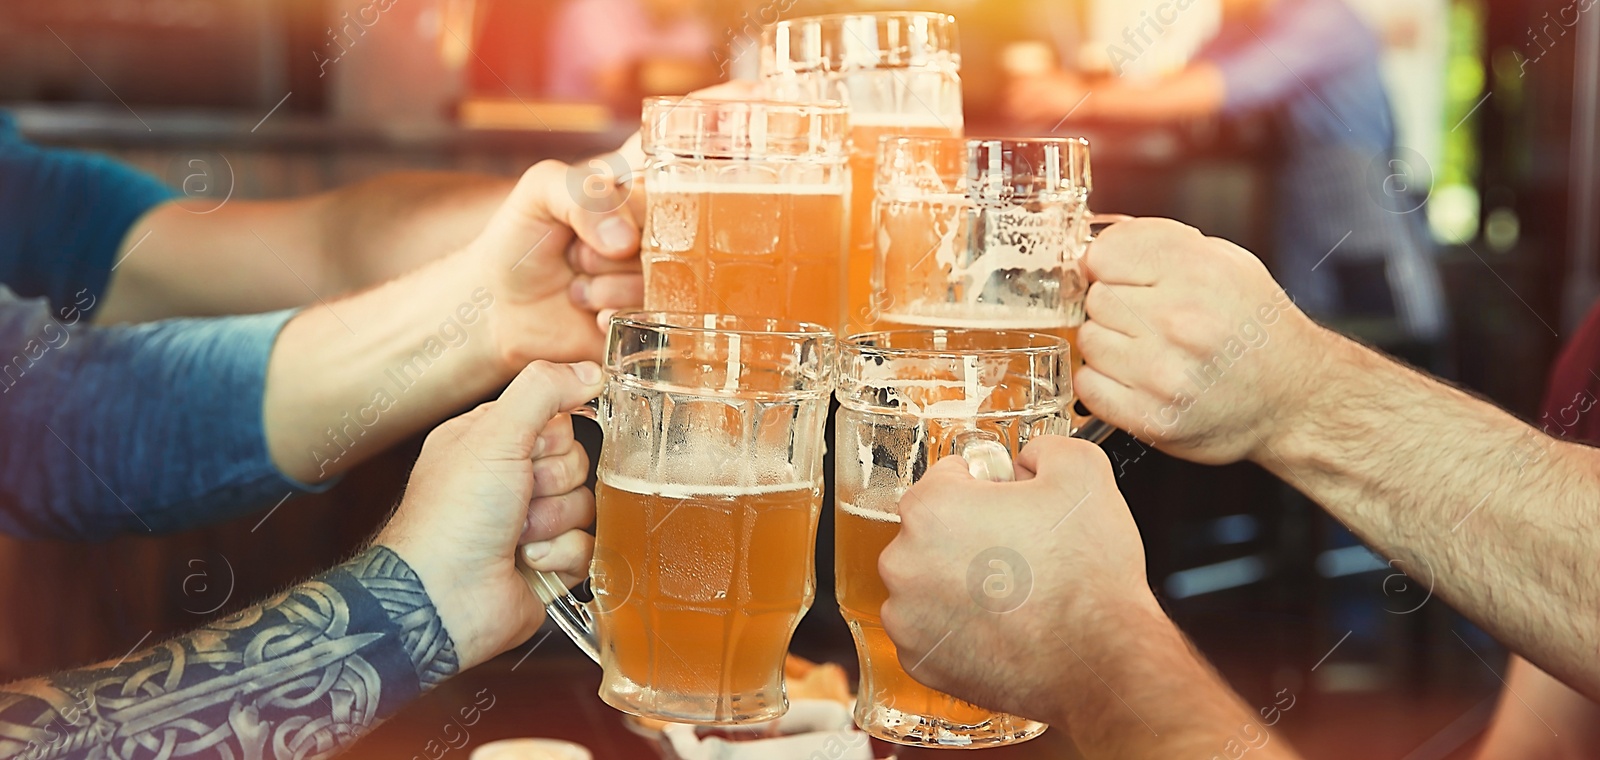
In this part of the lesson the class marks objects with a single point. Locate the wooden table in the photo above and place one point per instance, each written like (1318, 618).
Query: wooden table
(551, 692)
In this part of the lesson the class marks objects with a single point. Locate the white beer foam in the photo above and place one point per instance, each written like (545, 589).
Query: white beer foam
(739, 188)
(686, 491)
(869, 514)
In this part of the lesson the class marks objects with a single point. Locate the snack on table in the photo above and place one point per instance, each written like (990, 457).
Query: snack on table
(811, 680)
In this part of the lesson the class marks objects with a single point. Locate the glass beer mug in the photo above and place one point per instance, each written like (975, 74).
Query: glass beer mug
(898, 71)
(710, 484)
(745, 207)
(908, 398)
(985, 234)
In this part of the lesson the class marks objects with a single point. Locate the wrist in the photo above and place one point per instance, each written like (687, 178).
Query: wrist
(442, 589)
(1111, 643)
(418, 626)
(1310, 378)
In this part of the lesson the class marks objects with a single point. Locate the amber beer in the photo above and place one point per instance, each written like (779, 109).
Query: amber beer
(710, 486)
(1047, 321)
(745, 208)
(699, 591)
(866, 132)
(900, 73)
(759, 250)
(908, 398)
(860, 535)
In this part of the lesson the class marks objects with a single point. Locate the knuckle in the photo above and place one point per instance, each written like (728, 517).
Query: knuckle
(1089, 336)
(543, 372)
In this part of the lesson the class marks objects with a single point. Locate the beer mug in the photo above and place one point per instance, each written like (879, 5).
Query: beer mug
(898, 71)
(710, 484)
(745, 206)
(908, 398)
(986, 234)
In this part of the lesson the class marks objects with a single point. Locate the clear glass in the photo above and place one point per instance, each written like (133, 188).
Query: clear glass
(745, 208)
(899, 72)
(908, 398)
(982, 234)
(710, 486)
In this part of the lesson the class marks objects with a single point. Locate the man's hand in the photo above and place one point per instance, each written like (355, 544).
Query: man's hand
(504, 474)
(985, 577)
(562, 247)
(1191, 345)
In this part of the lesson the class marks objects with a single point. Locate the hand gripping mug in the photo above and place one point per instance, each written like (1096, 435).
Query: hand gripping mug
(710, 483)
(908, 398)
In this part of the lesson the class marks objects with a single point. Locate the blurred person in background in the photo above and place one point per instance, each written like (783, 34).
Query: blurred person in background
(309, 671)
(617, 51)
(1351, 242)
(193, 421)
(1495, 516)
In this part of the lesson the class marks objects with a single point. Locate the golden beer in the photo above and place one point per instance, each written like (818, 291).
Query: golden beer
(745, 208)
(866, 132)
(757, 250)
(710, 486)
(900, 73)
(1049, 322)
(860, 535)
(908, 398)
(698, 592)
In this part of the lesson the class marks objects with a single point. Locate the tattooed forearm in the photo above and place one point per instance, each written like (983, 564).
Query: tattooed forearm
(301, 675)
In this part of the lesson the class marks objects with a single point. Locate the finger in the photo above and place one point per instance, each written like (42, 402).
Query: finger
(612, 291)
(587, 202)
(1134, 252)
(1118, 404)
(556, 438)
(540, 392)
(584, 259)
(567, 556)
(953, 467)
(559, 474)
(1112, 307)
(1108, 351)
(1051, 455)
(550, 516)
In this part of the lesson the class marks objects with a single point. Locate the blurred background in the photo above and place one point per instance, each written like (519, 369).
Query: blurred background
(1494, 175)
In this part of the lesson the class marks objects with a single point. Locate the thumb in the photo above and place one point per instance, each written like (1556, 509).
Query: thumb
(952, 467)
(540, 392)
(584, 199)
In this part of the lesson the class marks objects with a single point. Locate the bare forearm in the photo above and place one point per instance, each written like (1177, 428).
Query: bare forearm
(252, 256)
(349, 377)
(382, 228)
(1495, 516)
(1195, 92)
(1145, 693)
(310, 670)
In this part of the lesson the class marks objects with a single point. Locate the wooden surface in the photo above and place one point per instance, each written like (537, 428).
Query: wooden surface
(550, 691)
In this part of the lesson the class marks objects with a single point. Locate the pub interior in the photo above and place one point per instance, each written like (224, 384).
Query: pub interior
(1452, 202)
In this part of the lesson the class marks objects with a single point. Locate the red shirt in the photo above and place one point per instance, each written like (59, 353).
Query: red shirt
(1574, 387)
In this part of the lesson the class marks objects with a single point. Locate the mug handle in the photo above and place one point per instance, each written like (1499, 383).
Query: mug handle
(1087, 426)
(987, 456)
(573, 617)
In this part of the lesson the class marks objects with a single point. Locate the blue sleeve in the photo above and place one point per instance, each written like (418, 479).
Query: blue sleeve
(63, 215)
(1299, 43)
(146, 429)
